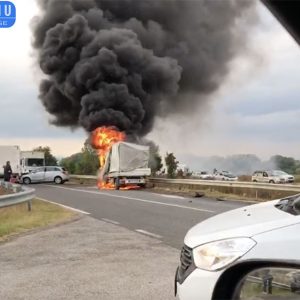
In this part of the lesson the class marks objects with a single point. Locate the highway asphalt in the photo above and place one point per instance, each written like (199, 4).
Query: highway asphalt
(164, 217)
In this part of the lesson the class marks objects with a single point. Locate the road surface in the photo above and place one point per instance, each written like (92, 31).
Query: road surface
(165, 217)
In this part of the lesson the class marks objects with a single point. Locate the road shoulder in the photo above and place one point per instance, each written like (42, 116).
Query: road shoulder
(91, 259)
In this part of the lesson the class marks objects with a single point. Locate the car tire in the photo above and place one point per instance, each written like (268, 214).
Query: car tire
(271, 181)
(254, 180)
(117, 183)
(58, 180)
(26, 180)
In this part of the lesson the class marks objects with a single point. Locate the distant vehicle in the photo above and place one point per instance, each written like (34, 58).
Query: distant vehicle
(203, 175)
(126, 164)
(273, 176)
(21, 161)
(58, 175)
(225, 175)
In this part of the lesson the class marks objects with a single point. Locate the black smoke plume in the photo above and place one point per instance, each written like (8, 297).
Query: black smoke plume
(123, 62)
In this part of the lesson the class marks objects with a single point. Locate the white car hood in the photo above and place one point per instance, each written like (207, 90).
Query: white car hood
(242, 222)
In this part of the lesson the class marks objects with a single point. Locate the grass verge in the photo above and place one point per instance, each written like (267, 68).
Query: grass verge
(3, 191)
(17, 219)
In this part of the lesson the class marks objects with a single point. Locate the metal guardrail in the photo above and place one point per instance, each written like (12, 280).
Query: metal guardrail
(258, 280)
(20, 195)
(241, 184)
(254, 185)
(83, 177)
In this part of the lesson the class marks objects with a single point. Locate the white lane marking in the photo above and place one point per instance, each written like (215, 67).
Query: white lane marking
(65, 206)
(148, 233)
(131, 198)
(170, 196)
(110, 221)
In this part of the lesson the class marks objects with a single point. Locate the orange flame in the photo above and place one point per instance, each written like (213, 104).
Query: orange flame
(102, 139)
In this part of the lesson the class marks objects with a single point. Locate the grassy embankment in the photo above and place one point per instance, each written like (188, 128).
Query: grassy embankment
(17, 219)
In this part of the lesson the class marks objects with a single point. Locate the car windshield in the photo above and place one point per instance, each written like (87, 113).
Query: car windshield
(229, 175)
(35, 162)
(278, 173)
(290, 204)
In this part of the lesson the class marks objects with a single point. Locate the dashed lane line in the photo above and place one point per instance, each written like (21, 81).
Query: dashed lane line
(110, 221)
(148, 233)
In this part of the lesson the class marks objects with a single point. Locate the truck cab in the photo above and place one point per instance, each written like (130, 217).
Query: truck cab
(31, 160)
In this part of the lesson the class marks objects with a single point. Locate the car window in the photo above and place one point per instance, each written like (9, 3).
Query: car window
(50, 169)
(57, 169)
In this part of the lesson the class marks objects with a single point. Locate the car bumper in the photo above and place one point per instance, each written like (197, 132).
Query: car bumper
(199, 284)
(132, 181)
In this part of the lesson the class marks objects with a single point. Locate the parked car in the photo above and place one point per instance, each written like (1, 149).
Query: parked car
(223, 248)
(225, 175)
(58, 175)
(273, 176)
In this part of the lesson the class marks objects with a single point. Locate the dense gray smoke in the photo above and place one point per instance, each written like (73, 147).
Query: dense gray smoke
(122, 62)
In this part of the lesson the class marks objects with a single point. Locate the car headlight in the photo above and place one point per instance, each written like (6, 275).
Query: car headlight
(216, 255)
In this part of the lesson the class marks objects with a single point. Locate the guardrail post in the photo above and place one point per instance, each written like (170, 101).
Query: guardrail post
(29, 205)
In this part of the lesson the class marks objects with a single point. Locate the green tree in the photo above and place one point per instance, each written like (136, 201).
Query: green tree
(171, 164)
(287, 164)
(84, 163)
(71, 162)
(50, 160)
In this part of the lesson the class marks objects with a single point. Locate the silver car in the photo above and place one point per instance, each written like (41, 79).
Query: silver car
(58, 175)
(274, 176)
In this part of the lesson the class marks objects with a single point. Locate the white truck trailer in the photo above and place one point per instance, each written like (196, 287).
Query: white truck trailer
(21, 161)
(11, 154)
(126, 164)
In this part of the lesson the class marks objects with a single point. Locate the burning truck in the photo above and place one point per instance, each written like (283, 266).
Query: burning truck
(122, 165)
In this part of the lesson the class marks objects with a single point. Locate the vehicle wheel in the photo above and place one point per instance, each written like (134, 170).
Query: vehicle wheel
(254, 180)
(117, 183)
(26, 180)
(271, 181)
(58, 180)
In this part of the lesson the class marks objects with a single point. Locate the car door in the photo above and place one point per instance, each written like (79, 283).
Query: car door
(259, 176)
(50, 174)
(38, 175)
(265, 177)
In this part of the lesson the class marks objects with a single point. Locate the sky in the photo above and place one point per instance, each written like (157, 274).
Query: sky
(256, 111)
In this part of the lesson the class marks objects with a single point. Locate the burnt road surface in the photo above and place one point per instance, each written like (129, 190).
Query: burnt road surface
(165, 217)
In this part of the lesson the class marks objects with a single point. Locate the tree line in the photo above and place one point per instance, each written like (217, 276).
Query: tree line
(86, 161)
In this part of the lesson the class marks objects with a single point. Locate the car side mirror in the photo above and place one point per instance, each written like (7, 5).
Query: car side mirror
(269, 283)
